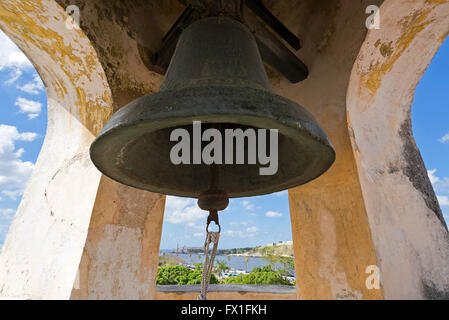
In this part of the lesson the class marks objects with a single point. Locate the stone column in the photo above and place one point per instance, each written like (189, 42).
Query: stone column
(332, 239)
(120, 257)
(407, 226)
(69, 212)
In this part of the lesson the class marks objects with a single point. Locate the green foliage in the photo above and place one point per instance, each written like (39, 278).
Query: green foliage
(221, 267)
(265, 275)
(287, 263)
(179, 275)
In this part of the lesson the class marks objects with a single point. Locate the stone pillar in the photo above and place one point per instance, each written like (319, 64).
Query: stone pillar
(120, 257)
(376, 205)
(407, 226)
(69, 213)
(332, 239)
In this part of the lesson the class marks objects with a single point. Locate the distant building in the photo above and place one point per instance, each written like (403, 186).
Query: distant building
(279, 243)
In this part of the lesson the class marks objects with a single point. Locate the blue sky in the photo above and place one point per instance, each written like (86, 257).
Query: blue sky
(247, 222)
(22, 127)
(430, 114)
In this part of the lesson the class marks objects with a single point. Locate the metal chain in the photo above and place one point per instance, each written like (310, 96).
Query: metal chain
(211, 237)
(211, 202)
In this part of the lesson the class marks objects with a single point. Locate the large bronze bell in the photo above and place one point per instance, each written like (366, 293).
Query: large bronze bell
(216, 76)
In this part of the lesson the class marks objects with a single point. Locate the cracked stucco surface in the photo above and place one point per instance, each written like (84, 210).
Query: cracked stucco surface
(410, 236)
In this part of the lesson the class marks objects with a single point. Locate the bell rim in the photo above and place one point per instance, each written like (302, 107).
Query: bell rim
(176, 116)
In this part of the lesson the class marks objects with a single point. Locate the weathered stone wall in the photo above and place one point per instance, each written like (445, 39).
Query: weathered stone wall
(331, 234)
(121, 252)
(408, 230)
(69, 213)
(42, 251)
(227, 292)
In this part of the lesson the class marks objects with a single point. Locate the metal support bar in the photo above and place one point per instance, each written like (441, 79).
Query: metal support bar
(216, 7)
(162, 58)
(274, 52)
(260, 10)
(179, 23)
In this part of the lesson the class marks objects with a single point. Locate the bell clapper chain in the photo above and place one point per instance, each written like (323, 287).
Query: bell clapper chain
(213, 200)
(211, 237)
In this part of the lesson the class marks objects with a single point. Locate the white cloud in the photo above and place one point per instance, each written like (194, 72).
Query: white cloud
(14, 75)
(183, 210)
(33, 87)
(14, 173)
(281, 194)
(195, 226)
(248, 205)
(28, 136)
(439, 184)
(13, 195)
(238, 234)
(443, 200)
(445, 138)
(199, 235)
(30, 107)
(252, 229)
(236, 224)
(433, 178)
(7, 214)
(443, 185)
(249, 232)
(273, 214)
(12, 58)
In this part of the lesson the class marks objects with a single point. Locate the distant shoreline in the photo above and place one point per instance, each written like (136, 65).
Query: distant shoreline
(282, 249)
(246, 254)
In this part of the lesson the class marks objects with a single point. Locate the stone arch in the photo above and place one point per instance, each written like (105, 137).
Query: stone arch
(78, 105)
(56, 225)
(408, 230)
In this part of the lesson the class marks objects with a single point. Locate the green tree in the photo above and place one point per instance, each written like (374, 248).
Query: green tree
(246, 260)
(221, 267)
(179, 275)
(287, 264)
(265, 275)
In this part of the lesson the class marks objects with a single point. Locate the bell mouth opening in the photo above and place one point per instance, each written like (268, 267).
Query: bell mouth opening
(135, 147)
(147, 162)
(152, 158)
